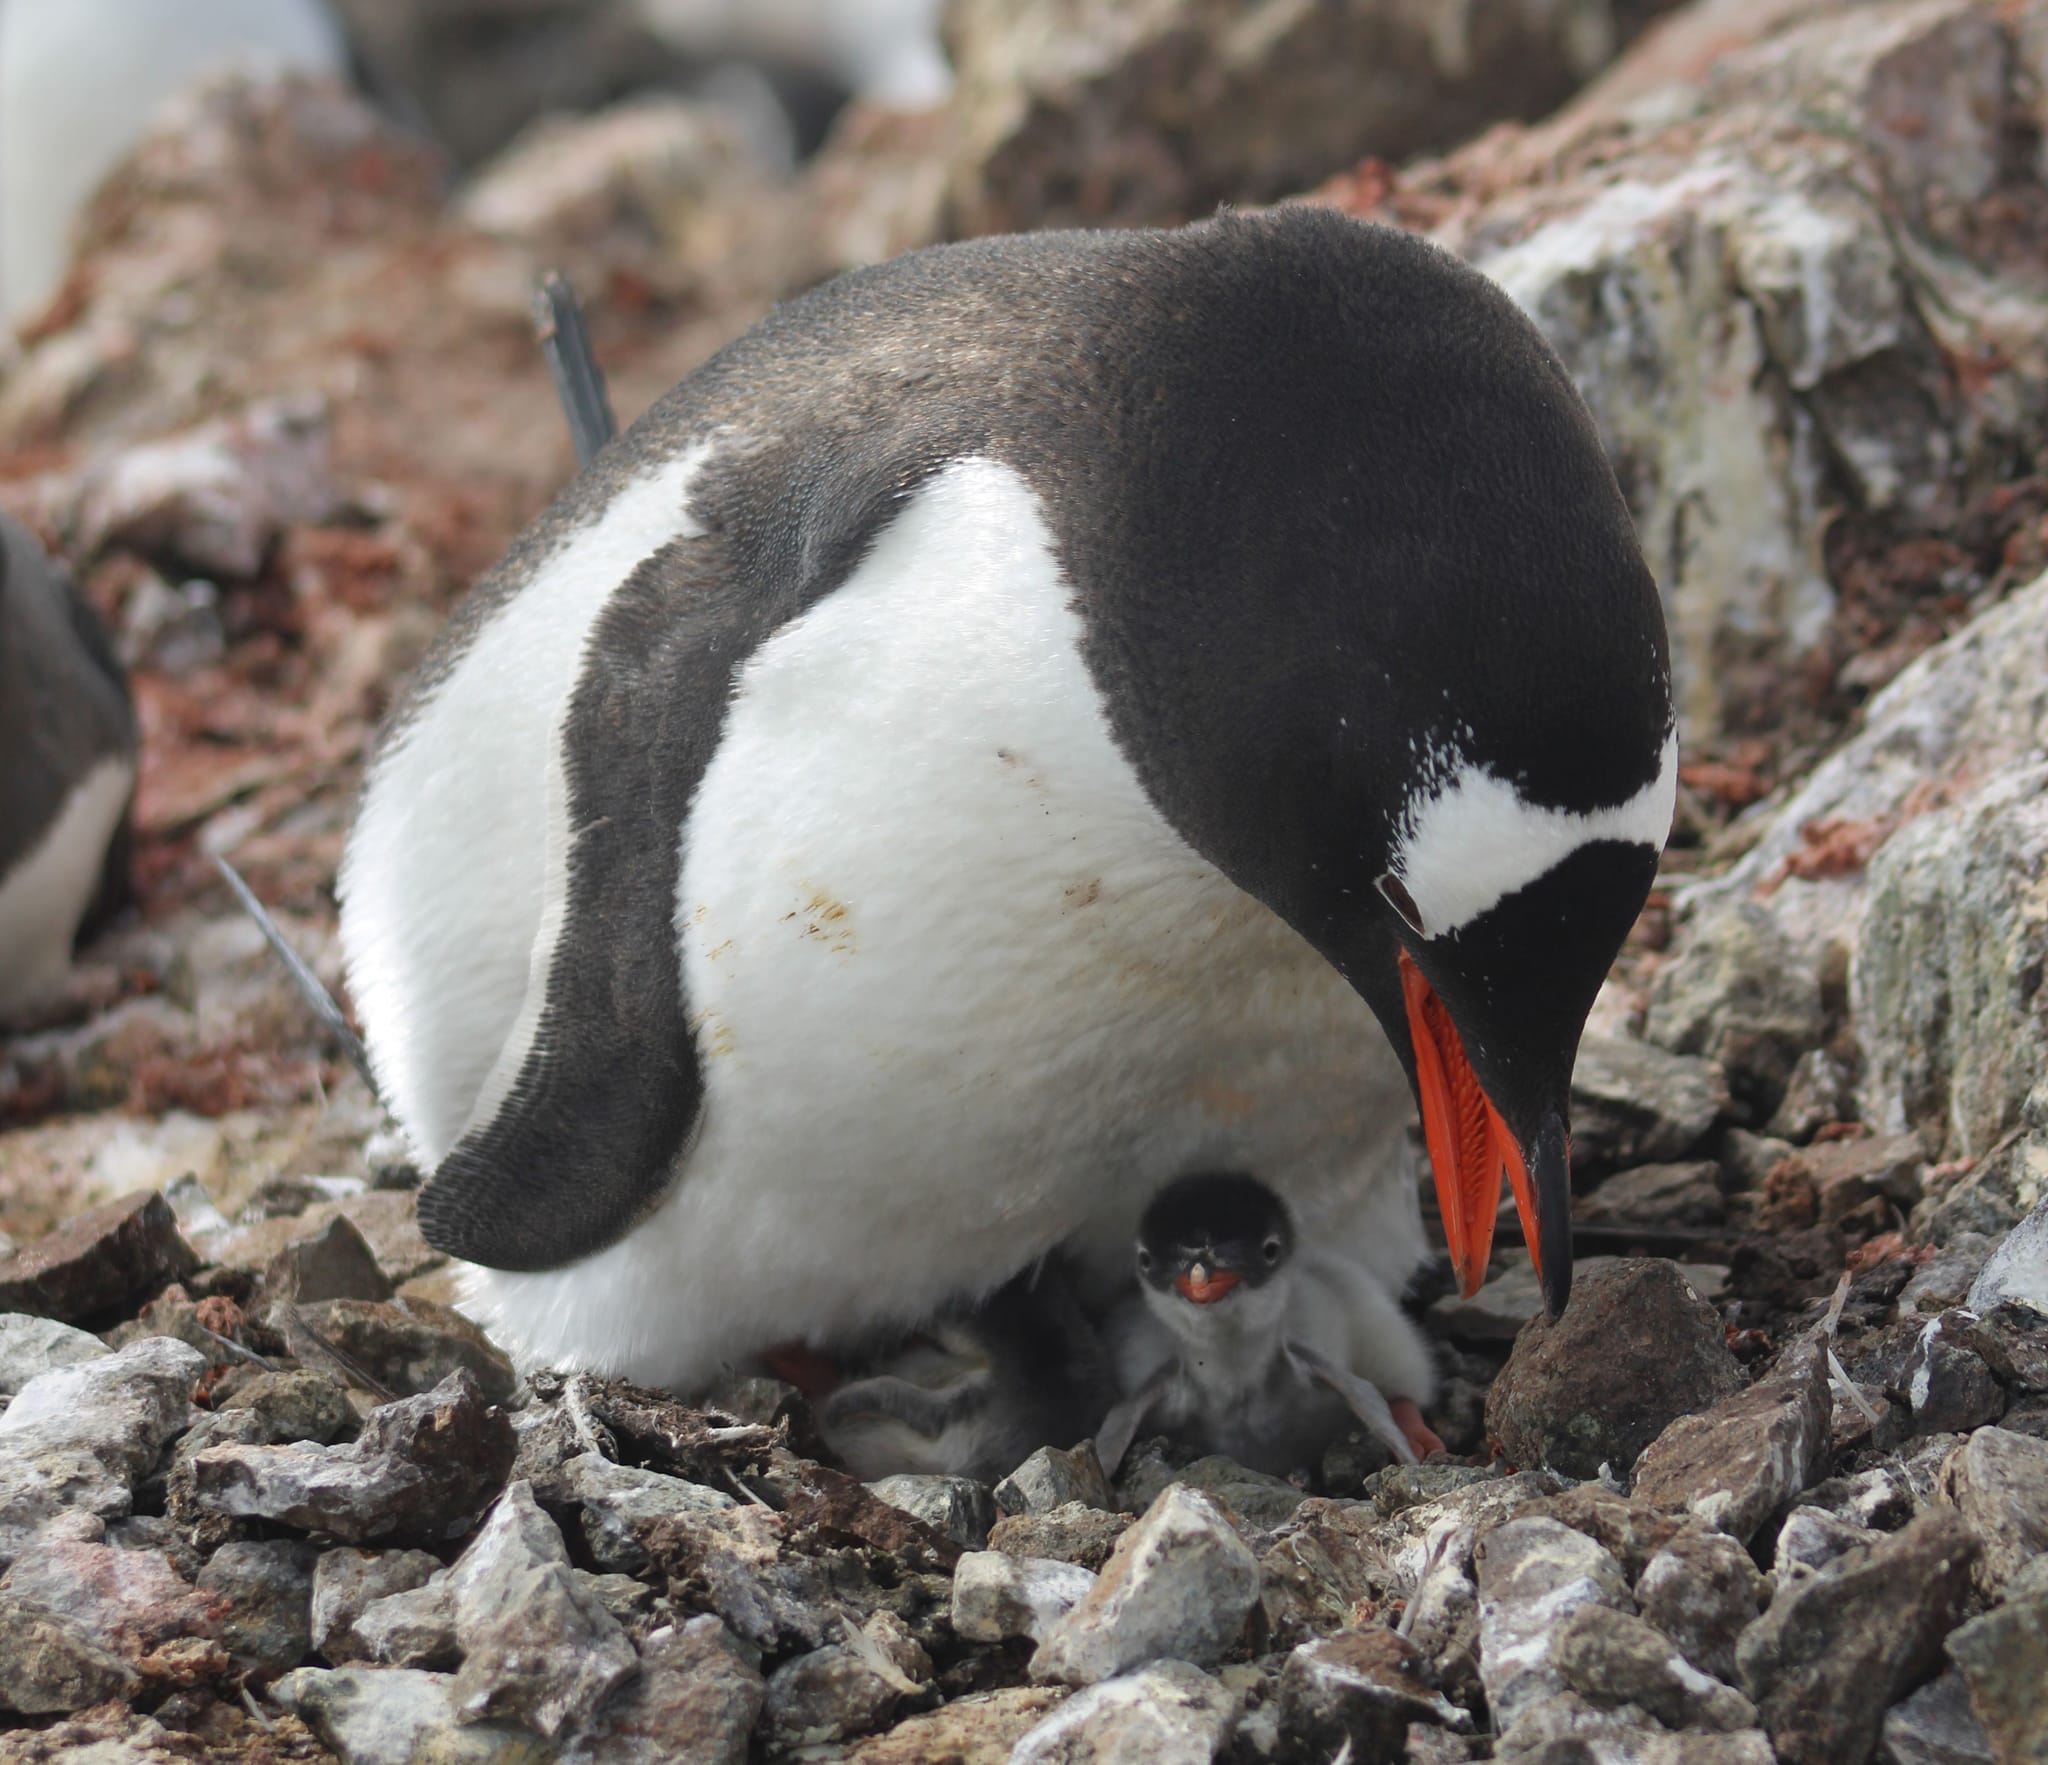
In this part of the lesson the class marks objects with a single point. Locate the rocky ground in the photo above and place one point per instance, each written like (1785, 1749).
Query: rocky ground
(1778, 1484)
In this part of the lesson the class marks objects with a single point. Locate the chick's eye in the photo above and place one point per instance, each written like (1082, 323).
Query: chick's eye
(1272, 1251)
(1144, 1260)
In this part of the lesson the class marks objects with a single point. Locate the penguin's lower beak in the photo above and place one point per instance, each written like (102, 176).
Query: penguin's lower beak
(1471, 1146)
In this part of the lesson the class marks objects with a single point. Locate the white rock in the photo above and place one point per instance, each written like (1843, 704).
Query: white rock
(1812, 1538)
(1998, 1481)
(31, 1346)
(78, 1437)
(1168, 1713)
(996, 1596)
(1685, 394)
(414, 1627)
(2018, 1268)
(1950, 1041)
(1702, 1590)
(346, 1582)
(1052, 1477)
(396, 1716)
(960, 1507)
(1179, 1585)
(1533, 1574)
(536, 1647)
(619, 1502)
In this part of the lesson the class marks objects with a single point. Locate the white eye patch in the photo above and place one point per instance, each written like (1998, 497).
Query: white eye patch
(1473, 840)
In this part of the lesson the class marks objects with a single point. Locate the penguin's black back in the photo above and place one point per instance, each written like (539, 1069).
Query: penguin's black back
(1339, 378)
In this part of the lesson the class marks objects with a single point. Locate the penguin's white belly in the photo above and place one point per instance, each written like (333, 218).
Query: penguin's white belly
(46, 893)
(959, 992)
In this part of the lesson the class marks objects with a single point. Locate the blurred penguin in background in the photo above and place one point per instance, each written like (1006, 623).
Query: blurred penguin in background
(81, 80)
(67, 773)
(885, 52)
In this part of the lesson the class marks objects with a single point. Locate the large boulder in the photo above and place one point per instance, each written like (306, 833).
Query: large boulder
(1773, 261)
(1123, 112)
(1945, 985)
(1904, 875)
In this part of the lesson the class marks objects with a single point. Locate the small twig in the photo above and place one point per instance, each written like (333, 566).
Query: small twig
(306, 1343)
(249, 1703)
(1836, 1371)
(738, 1485)
(1430, 1565)
(307, 984)
(1832, 1317)
(1847, 1387)
(579, 382)
(742, 1434)
(234, 1347)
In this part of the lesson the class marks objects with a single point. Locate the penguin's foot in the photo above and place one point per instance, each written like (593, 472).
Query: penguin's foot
(1421, 1437)
(798, 1364)
(928, 1410)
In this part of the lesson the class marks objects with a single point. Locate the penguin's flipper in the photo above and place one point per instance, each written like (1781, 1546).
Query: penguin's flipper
(603, 1087)
(1120, 1427)
(116, 886)
(1361, 1397)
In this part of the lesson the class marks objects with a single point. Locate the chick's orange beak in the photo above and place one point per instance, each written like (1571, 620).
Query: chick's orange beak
(1469, 1145)
(1203, 1285)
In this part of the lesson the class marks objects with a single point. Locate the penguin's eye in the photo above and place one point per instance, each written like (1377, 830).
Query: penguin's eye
(1397, 897)
(1271, 1250)
(1144, 1260)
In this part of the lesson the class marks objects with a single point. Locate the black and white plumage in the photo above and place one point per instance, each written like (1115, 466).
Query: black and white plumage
(67, 772)
(1247, 1340)
(974, 752)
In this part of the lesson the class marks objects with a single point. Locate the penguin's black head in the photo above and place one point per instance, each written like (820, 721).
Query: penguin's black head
(1385, 650)
(1204, 1237)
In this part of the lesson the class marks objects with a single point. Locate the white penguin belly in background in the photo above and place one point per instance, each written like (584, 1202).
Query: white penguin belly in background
(80, 80)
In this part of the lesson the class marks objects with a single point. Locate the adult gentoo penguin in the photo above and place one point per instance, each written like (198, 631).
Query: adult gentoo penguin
(1030, 720)
(67, 771)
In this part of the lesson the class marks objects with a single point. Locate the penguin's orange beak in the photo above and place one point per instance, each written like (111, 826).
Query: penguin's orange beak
(1203, 1285)
(1469, 1145)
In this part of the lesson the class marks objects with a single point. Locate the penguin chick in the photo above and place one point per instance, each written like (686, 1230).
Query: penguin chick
(1243, 1338)
(67, 772)
(978, 1392)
